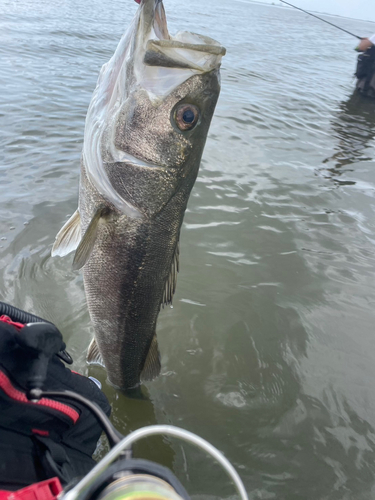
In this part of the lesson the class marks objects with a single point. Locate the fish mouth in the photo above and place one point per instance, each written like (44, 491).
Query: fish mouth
(166, 61)
(184, 50)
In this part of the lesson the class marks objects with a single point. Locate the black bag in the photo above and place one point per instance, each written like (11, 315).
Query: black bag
(366, 64)
(51, 438)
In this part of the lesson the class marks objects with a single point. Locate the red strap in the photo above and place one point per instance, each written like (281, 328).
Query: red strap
(12, 392)
(46, 490)
(6, 319)
(40, 432)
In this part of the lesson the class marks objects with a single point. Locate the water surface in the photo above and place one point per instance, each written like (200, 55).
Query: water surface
(268, 351)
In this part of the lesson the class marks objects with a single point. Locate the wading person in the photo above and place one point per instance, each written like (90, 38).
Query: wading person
(365, 72)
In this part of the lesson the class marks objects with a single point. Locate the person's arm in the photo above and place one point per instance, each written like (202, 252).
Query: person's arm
(366, 43)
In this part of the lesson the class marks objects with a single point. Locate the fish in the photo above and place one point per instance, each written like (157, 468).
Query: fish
(145, 131)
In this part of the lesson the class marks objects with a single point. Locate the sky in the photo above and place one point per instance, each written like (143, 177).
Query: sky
(357, 9)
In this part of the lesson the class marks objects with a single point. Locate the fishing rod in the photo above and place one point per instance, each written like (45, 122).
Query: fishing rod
(320, 19)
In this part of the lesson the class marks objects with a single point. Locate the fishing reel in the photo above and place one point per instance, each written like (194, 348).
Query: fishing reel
(117, 478)
(118, 475)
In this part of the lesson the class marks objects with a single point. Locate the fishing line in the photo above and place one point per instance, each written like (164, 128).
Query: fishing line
(320, 19)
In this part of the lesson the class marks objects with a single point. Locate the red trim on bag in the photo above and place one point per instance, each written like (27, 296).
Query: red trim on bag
(39, 432)
(6, 319)
(45, 490)
(12, 392)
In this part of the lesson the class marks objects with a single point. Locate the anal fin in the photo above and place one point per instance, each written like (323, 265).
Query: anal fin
(93, 354)
(152, 366)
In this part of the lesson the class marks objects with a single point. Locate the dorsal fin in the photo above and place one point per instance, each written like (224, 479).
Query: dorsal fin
(68, 237)
(170, 285)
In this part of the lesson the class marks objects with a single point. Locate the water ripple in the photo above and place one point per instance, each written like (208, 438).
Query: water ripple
(268, 350)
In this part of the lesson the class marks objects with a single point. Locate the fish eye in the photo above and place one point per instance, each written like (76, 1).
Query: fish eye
(186, 116)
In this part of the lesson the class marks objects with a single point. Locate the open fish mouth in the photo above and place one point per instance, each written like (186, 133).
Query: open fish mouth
(149, 58)
(168, 61)
(161, 61)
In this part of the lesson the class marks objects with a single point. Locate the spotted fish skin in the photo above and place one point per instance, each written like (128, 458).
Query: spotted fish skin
(145, 133)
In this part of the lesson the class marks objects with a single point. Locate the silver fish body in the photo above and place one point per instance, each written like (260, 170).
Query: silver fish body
(145, 132)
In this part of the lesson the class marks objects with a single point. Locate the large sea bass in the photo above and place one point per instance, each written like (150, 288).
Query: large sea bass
(145, 131)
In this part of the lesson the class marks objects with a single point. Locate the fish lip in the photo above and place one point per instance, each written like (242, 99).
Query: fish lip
(160, 21)
(217, 50)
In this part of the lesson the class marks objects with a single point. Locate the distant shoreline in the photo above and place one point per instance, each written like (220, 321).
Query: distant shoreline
(312, 11)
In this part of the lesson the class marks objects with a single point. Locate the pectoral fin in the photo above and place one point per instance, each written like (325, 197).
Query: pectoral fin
(152, 366)
(68, 237)
(93, 354)
(88, 241)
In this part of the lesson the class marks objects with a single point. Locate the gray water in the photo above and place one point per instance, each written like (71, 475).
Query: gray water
(268, 352)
